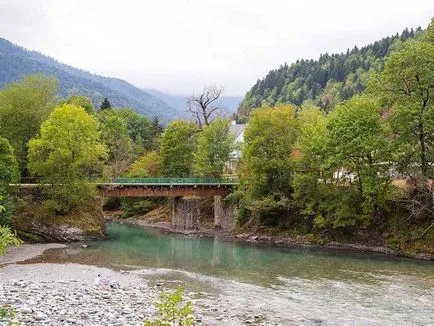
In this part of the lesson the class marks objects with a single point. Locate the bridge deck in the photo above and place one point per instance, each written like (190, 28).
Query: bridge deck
(175, 181)
(159, 187)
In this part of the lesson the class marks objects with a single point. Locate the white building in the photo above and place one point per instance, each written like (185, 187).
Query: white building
(237, 130)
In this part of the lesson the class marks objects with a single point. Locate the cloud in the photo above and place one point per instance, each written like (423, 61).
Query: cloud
(180, 45)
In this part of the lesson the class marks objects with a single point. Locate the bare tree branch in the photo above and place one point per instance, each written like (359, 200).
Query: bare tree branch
(205, 107)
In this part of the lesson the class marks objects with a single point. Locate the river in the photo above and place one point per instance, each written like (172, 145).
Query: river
(289, 286)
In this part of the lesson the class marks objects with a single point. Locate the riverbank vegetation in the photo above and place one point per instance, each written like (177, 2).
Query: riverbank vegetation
(353, 167)
(334, 173)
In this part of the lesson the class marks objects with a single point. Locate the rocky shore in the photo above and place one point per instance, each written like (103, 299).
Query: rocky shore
(65, 294)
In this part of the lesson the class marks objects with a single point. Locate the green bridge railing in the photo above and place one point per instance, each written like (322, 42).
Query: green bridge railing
(178, 181)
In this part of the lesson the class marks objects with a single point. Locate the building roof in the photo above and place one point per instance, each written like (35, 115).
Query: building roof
(236, 130)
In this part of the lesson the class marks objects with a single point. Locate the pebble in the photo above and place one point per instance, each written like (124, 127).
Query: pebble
(78, 302)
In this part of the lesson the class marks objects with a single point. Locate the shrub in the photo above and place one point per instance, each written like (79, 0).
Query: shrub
(7, 238)
(171, 312)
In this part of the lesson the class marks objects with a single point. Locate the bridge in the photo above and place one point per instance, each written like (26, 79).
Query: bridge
(167, 187)
(185, 194)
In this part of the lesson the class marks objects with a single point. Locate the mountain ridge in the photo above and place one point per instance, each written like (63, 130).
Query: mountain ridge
(16, 61)
(326, 81)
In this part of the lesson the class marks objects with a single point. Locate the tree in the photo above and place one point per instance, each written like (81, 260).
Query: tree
(82, 101)
(145, 166)
(360, 144)
(266, 177)
(105, 104)
(9, 173)
(23, 106)
(343, 176)
(114, 134)
(156, 126)
(311, 191)
(205, 107)
(178, 144)
(66, 154)
(214, 144)
(430, 32)
(407, 84)
(142, 132)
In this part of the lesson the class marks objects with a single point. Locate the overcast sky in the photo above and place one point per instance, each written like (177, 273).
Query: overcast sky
(180, 45)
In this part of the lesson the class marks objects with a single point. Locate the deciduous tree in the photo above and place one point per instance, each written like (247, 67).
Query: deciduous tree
(82, 101)
(66, 154)
(114, 134)
(407, 86)
(266, 177)
(23, 106)
(178, 144)
(205, 107)
(214, 144)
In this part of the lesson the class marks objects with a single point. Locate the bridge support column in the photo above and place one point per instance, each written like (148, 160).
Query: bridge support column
(223, 213)
(185, 213)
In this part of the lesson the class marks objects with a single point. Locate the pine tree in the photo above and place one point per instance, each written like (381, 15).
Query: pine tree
(105, 104)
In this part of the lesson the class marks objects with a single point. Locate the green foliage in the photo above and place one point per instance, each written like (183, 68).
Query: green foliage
(135, 206)
(105, 104)
(178, 144)
(23, 107)
(143, 133)
(267, 170)
(430, 32)
(406, 86)
(7, 313)
(82, 101)
(7, 237)
(114, 134)
(66, 154)
(171, 311)
(214, 144)
(344, 171)
(324, 82)
(17, 62)
(9, 172)
(145, 166)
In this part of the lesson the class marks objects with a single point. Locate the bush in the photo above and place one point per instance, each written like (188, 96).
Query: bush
(7, 313)
(7, 238)
(171, 312)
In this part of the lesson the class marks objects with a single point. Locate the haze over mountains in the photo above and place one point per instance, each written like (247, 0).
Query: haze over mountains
(323, 82)
(16, 61)
(178, 102)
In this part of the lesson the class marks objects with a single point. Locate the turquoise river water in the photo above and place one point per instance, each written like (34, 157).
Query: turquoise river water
(297, 286)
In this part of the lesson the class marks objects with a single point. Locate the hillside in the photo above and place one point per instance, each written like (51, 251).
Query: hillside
(178, 102)
(326, 81)
(16, 61)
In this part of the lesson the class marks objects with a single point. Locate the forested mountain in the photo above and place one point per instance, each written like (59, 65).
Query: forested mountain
(230, 103)
(16, 61)
(326, 81)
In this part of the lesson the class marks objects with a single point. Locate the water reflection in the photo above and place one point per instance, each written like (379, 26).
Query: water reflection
(289, 286)
(138, 248)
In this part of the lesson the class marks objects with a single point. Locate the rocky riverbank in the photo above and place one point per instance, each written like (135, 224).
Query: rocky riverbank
(65, 294)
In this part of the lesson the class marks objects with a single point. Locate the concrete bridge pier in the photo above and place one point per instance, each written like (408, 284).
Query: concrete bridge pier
(186, 213)
(223, 213)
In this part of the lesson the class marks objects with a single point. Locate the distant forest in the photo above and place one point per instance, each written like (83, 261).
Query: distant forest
(16, 62)
(324, 82)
